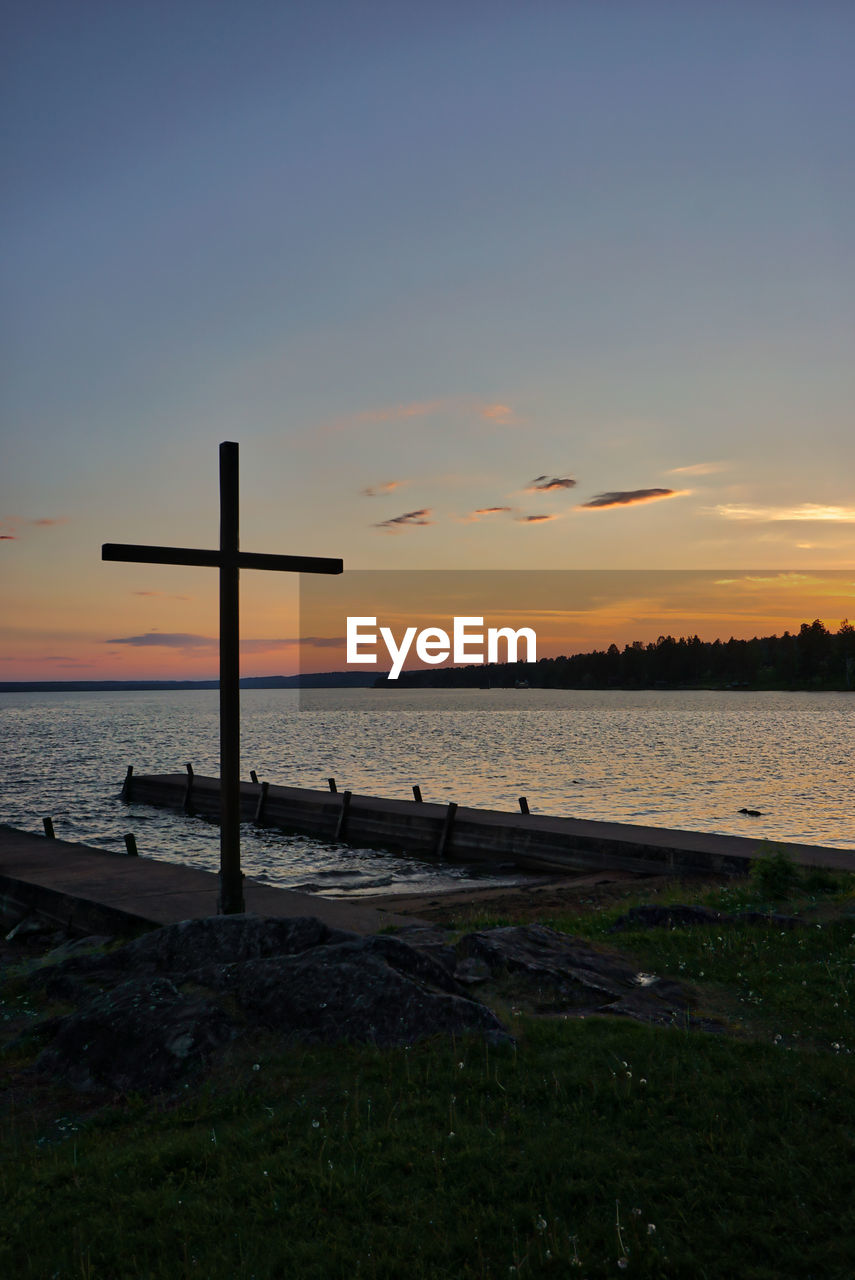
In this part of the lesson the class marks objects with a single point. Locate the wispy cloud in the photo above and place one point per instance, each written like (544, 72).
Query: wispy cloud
(536, 519)
(487, 411)
(805, 511)
(166, 640)
(629, 498)
(186, 640)
(544, 484)
(160, 595)
(378, 490)
(408, 520)
(11, 525)
(502, 414)
(480, 512)
(697, 469)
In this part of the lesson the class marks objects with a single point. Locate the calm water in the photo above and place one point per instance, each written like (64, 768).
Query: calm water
(689, 760)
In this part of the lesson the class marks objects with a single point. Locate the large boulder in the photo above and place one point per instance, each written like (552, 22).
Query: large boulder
(151, 1012)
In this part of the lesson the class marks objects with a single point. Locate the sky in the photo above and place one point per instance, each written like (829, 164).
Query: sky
(475, 286)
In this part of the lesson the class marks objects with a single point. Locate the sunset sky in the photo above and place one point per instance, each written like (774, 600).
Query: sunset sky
(559, 285)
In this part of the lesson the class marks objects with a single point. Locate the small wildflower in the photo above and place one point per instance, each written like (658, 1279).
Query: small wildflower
(651, 1228)
(256, 1066)
(540, 1224)
(316, 1124)
(623, 1263)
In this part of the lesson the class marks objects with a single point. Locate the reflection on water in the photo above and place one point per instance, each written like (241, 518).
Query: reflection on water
(674, 759)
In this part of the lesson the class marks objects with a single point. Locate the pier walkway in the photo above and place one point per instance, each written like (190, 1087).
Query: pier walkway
(531, 842)
(93, 891)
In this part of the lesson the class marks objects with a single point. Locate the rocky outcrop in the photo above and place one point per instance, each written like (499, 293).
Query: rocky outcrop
(555, 973)
(152, 1012)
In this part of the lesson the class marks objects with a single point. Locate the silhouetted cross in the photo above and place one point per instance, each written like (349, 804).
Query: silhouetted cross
(229, 560)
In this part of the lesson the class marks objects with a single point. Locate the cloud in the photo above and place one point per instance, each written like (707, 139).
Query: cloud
(42, 522)
(487, 411)
(396, 412)
(536, 519)
(697, 469)
(806, 511)
(162, 595)
(502, 414)
(378, 490)
(408, 520)
(543, 484)
(166, 640)
(628, 498)
(184, 640)
(480, 512)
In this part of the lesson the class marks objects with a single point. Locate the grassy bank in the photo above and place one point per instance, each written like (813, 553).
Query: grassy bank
(594, 1148)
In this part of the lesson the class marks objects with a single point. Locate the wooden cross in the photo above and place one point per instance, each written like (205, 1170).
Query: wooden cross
(229, 560)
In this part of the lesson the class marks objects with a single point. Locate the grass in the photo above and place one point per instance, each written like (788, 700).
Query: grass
(594, 1148)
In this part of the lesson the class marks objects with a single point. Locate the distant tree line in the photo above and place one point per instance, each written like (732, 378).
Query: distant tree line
(814, 658)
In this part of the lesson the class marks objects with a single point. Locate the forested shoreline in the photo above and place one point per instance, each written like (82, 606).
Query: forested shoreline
(812, 658)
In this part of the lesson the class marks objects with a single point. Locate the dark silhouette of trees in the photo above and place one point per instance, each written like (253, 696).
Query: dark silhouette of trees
(815, 658)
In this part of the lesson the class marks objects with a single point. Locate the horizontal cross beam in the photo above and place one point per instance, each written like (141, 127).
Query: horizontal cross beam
(213, 559)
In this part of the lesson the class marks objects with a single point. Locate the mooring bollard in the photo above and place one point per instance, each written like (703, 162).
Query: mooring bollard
(445, 834)
(253, 775)
(48, 825)
(417, 794)
(131, 845)
(342, 815)
(126, 785)
(189, 792)
(262, 801)
(333, 787)
(523, 804)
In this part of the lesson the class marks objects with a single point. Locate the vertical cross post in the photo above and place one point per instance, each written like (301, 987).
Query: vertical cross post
(231, 879)
(229, 559)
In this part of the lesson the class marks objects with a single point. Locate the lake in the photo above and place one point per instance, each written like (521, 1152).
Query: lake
(688, 759)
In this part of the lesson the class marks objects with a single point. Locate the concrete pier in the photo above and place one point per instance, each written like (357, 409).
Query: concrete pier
(533, 842)
(87, 890)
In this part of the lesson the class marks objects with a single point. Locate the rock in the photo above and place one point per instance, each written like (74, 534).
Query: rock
(351, 992)
(662, 917)
(73, 946)
(29, 927)
(562, 973)
(472, 969)
(141, 1036)
(154, 1012)
(199, 984)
